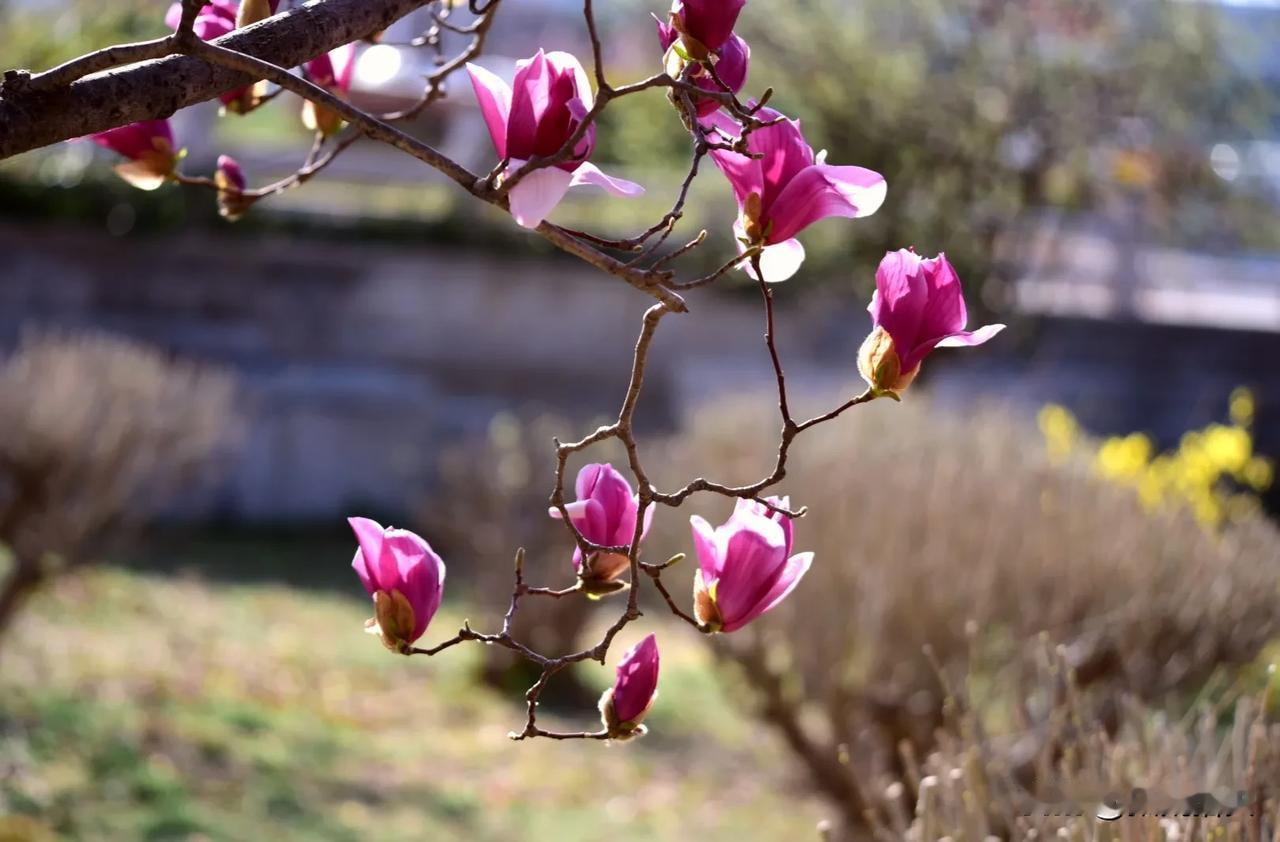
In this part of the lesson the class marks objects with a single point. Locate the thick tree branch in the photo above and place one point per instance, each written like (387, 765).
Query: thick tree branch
(31, 118)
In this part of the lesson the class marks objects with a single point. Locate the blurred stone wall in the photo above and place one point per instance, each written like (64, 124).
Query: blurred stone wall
(360, 364)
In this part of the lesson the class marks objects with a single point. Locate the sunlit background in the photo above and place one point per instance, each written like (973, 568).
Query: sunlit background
(189, 410)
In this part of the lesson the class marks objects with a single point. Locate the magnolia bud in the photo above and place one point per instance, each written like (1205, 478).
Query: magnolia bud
(232, 201)
(880, 366)
(627, 702)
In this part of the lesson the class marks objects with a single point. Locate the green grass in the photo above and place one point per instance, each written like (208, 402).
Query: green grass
(142, 708)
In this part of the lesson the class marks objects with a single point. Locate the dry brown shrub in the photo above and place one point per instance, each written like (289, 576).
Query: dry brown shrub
(956, 532)
(96, 433)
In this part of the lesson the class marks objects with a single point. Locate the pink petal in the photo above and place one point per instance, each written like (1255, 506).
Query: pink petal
(744, 173)
(707, 546)
(537, 194)
(945, 313)
(344, 65)
(754, 558)
(779, 262)
(594, 525)
(589, 173)
(754, 508)
(797, 566)
(494, 97)
(711, 21)
(578, 111)
(369, 535)
(562, 63)
(960, 339)
(420, 575)
(319, 71)
(637, 680)
(902, 293)
(666, 32)
(786, 155)
(530, 95)
(587, 479)
(648, 517)
(821, 191)
(970, 338)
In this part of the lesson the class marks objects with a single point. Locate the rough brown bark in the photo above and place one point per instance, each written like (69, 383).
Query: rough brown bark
(155, 89)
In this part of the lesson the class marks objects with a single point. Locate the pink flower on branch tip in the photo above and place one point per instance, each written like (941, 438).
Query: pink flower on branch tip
(605, 514)
(405, 578)
(917, 306)
(745, 566)
(704, 24)
(217, 19)
(623, 706)
(230, 181)
(729, 63)
(149, 148)
(533, 118)
(786, 189)
(333, 71)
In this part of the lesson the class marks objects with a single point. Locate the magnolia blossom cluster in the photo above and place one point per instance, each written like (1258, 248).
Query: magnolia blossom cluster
(150, 152)
(542, 125)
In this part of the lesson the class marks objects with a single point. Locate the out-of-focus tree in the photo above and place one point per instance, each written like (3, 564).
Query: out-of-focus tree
(96, 433)
(982, 114)
(40, 35)
(968, 539)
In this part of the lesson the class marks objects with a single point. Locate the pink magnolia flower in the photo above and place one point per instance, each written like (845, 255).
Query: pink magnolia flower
(231, 183)
(917, 306)
(709, 23)
(731, 61)
(605, 514)
(218, 18)
(334, 72)
(626, 703)
(534, 117)
(148, 145)
(787, 189)
(405, 578)
(229, 175)
(745, 566)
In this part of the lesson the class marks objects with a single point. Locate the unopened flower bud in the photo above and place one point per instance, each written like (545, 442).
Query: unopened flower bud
(232, 201)
(627, 702)
(149, 149)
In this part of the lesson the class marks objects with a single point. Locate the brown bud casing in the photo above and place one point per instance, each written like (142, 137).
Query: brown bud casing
(392, 621)
(880, 366)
